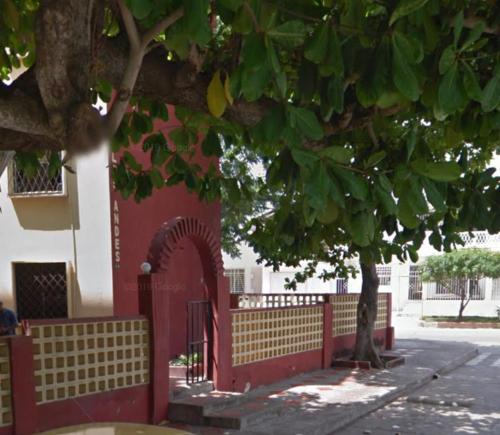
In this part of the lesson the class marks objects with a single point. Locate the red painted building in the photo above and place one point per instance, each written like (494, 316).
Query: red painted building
(117, 368)
(133, 227)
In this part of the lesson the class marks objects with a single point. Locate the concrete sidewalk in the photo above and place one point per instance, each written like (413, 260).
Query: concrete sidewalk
(321, 402)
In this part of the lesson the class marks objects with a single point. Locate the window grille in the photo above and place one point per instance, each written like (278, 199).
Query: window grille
(415, 284)
(40, 183)
(341, 286)
(236, 280)
(495, 290)
(384, 275)
(41, 290)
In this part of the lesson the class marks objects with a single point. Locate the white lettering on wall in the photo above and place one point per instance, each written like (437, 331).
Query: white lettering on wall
(116, 233)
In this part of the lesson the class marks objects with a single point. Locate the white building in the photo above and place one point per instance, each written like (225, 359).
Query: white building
(55, 240)
(410, 295)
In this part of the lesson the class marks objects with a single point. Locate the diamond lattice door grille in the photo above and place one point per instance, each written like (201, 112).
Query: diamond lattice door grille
(41, 290)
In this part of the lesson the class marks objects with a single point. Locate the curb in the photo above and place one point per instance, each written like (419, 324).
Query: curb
(464, 325)
(337, 423)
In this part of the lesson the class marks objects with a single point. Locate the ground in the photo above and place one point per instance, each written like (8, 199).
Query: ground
(403, 400)
(463, 401)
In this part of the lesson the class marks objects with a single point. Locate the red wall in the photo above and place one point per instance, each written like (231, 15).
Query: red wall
(130, 405)
(133, 227)
(275, 369)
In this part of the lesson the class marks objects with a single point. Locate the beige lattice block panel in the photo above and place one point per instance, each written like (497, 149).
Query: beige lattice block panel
(381, 321)
(265, 334)
(345, 310)
(5, 386)
(76, 359)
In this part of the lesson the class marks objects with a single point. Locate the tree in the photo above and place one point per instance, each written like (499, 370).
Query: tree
(456, 271)
(363, 112)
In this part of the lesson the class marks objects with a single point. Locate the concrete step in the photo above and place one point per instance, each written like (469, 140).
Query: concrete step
(245, 415)
(192, 409)
(180, 390)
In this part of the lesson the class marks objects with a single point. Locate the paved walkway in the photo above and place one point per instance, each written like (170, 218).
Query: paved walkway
(324, 402)
(464, 401)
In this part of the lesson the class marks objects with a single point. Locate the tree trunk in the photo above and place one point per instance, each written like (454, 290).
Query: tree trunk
(461, 310)
(463, 295)
(365, 349)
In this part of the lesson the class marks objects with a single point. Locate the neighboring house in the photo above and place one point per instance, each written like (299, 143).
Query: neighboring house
(410, 295)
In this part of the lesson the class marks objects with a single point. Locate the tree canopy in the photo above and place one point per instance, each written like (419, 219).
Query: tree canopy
(374, 120)
(462, 264)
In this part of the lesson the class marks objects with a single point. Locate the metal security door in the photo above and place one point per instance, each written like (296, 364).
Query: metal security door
(199, 341)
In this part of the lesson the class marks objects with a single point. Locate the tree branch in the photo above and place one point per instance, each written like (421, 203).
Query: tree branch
(162, 25)
(130, 26)
(137, 51)
(25, 115)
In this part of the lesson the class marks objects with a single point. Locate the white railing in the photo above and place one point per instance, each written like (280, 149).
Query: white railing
(480, 238)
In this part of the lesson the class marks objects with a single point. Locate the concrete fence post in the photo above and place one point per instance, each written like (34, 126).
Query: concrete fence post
(154, 304)
(223, 373)
(23, 393)
(389, 334)
(327, 333)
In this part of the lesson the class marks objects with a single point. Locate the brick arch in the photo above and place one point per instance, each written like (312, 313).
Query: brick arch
(172, 232)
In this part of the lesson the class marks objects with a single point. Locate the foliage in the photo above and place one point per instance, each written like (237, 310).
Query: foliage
(374, 120)
(183, 360)
(462, 263)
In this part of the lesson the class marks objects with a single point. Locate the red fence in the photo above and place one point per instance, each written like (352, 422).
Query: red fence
(297, 334)
(73, 371)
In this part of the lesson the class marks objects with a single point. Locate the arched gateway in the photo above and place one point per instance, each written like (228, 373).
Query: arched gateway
(154, 296)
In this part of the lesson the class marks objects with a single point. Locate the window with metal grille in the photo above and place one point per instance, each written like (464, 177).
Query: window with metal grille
(341, 286)
(41, 183)
(384, 275)
(236, 280)
(415, 284)
(41, 290)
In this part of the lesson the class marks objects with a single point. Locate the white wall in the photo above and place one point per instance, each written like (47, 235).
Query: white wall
(261, 279)
(74, 229)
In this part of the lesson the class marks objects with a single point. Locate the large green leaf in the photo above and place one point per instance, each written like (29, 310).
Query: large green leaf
(196, 21)
(353, 183)
(439, 171)
(318, 187)
(433, 195)
(254, 51)
(471, 83)
(333, 62)
(362, 228)
(406, 7)
(304, 157)
(415, 196)
(306, 122)
(404, 74)
(140, 8)
(451, 93)
(406, 214)
(447, 59)
(336, 93)
(211, 144)
(316, 47)
(386, 200)
(491, 94)
(338, 154)
(290, 34)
